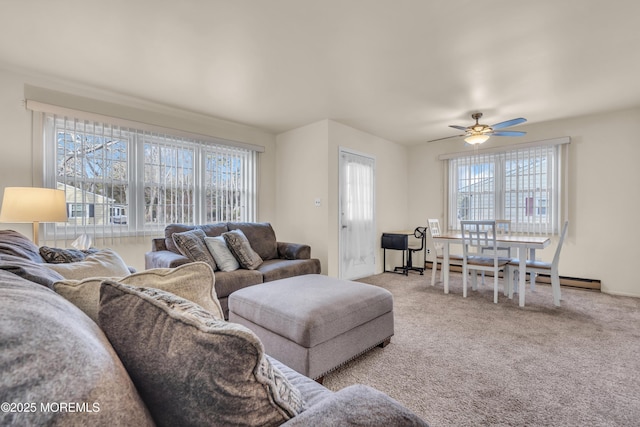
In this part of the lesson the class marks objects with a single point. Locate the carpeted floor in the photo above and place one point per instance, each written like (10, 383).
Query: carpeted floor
(467, 361)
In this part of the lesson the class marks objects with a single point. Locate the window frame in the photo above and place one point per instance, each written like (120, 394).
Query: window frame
(135, 224)
(555, 202)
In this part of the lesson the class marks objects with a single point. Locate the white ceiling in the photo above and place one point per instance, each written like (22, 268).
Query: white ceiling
(400, 69)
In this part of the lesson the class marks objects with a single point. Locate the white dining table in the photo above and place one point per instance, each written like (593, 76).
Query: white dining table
(526, 246)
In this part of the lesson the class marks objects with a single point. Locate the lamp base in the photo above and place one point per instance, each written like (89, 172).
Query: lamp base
(36, 228)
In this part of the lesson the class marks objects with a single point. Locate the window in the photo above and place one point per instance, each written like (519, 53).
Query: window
(80, 210)
(521, 184)
(123, 181)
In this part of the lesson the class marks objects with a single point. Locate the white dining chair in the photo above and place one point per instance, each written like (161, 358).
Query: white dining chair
(475, 236)
(435, 250)
(539, 267)
(503, 228)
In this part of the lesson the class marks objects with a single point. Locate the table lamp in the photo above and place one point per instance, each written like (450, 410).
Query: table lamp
(35, 205)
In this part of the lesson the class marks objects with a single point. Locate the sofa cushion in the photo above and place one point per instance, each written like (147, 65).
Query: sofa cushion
(51, 353)
(190, 367)
(242, 250)
(228, 282)
(357, 405)
(60, 255)
(276, 269)
(16, 244)
(225, 260)
(104, 263)
(193, 281)
(288, 250)
(260, 235)
(33, 271)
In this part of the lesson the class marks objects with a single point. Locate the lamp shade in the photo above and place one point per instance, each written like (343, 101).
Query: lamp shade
(29, 204)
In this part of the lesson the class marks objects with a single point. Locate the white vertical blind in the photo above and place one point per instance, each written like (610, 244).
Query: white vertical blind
(520, 183)
(229, 184)
(126, 181)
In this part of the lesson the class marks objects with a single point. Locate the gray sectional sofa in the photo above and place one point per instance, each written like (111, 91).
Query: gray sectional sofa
(151, 359)
(280, 259)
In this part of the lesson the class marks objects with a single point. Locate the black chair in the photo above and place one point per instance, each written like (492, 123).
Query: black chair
(419, 233)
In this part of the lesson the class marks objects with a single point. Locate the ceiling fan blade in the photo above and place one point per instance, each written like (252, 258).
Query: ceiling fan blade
(508, 123)
(508, 133)
(446, 137)
(458, 127)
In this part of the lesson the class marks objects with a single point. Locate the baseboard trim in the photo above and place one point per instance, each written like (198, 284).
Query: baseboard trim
(574, 282)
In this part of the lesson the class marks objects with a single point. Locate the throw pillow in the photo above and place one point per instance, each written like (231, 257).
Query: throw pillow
(191, 244)
(61, 256)
(189, 367)
(261, 235)
(241, 249)
(221, 253)
(104, 263)
(194, 282)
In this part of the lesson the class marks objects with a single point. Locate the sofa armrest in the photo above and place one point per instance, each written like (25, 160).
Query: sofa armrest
(164, 259)
(293, 251)
(357, 405)
(158, 244)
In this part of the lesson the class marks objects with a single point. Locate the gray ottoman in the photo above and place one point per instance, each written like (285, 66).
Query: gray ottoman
(315, 323)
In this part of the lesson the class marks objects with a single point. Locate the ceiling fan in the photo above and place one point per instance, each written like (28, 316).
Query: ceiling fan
(479, 133)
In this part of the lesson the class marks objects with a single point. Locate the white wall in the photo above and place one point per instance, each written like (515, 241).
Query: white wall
(16, 161)
(603, 203)
(301, 164)
(307, 168)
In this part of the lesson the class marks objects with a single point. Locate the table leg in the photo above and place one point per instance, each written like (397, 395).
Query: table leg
(445, 267)
(522, 255)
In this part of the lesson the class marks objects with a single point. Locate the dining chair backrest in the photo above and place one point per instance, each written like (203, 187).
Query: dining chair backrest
(503, 228)
(434, 230)
(434, 226)
(478, 235)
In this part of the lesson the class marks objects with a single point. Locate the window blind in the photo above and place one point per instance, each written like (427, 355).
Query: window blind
(522, 184)
(124, 181)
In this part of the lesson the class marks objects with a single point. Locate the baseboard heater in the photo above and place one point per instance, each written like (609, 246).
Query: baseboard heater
(574, 282)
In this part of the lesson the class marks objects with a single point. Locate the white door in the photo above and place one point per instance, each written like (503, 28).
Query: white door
(357, 215)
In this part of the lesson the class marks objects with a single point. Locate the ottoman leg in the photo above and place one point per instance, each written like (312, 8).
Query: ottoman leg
(383, 344)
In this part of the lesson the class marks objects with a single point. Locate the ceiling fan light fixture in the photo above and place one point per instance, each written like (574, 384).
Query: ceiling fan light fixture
(476, 138)
(478, 133)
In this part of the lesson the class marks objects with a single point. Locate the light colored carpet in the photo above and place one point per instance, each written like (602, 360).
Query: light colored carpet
(467, 361)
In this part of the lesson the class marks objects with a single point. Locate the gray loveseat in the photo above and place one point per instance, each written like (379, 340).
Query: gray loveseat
(280, 259)
(59, 368)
